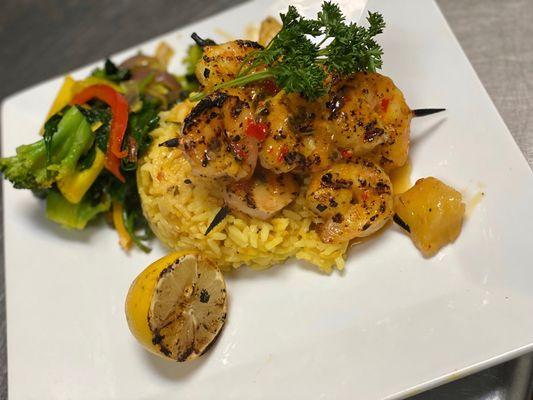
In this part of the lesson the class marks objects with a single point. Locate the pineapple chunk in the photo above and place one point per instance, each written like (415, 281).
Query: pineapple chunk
(432, 213)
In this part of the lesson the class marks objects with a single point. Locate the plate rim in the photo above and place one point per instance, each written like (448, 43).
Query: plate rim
(419, 388)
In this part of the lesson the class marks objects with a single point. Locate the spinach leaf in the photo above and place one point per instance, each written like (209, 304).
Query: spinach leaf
(107, 186)
(112, 73)
(134, 220)
(50, 127)
(137, 138)
(86, 161)
(99, 112)
(142, 122)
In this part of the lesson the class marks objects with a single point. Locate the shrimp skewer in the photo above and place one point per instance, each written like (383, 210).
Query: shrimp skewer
(347, 141)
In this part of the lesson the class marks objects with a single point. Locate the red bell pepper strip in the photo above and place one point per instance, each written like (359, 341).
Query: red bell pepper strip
(346, 153)
(256, 130)
(282, 152)
(119, 122)
(384, 105)
(112, 163)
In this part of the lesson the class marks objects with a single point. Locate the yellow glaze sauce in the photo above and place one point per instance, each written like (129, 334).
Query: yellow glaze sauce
(401, 178)
(473, 202)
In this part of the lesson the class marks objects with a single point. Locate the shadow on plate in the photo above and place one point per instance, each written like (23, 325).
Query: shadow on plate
(174, 370)
(247, 273)
(36, 216)
(423, 135)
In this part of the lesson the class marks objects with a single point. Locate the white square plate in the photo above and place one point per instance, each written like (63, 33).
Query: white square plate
(392, 324)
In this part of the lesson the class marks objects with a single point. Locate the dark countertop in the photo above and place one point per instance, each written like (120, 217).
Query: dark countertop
(43, 38)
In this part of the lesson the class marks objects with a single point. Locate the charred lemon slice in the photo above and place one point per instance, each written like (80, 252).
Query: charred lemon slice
(177, 306)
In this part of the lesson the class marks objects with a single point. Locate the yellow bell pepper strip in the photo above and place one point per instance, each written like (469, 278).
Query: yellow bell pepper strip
(90, 81)
(119, 122)
(124, 237)
(63, 96)
(74, 187)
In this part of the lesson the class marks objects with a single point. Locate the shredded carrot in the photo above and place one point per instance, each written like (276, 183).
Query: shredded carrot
(124, 237)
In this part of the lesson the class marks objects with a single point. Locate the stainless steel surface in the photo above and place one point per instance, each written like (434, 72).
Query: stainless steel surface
(43, 38)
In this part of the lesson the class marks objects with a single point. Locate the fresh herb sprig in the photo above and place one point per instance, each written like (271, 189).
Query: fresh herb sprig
(305, 50)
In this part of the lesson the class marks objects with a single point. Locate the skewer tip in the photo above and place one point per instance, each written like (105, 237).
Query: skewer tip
(201, 42)
(422, 112)
(221, 214)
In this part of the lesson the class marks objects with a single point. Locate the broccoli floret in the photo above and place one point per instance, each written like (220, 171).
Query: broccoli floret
(73, 216)
(194, 54)
(38, 165)
(188, 82)
(27, 169)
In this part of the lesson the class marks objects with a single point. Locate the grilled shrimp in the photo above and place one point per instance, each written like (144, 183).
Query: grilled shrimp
(316, 150)
(353, 198)
(214, 138)
(292, 139)
(279, 150)
(263, 195)
(396, 117)
(367, 113)
(221, 62)
(351, 115)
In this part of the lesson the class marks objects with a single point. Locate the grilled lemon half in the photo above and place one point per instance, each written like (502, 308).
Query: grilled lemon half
(177, 306)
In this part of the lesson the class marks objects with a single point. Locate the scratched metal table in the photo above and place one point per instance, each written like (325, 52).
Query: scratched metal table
(43, 38)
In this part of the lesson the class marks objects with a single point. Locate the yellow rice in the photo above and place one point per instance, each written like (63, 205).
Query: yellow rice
(180, 212)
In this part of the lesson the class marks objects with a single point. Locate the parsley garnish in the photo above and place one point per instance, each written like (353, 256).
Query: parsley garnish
(305, 50)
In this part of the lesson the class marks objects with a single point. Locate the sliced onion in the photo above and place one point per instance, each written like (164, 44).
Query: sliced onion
(141, 73)
(173, 86)
(131, 92)
(167, 79)
(157, 95)
(140, 60)
(164, 53)
(162, 77)
(132, 149)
